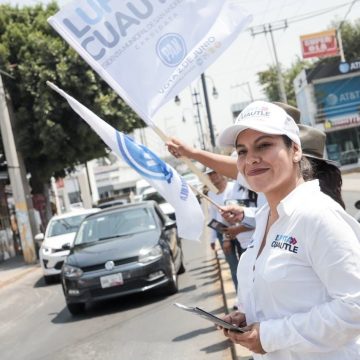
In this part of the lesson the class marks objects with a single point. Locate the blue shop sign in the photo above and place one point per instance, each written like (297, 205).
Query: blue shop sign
(337, 98)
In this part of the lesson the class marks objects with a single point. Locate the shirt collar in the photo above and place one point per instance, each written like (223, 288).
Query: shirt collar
(288, 205)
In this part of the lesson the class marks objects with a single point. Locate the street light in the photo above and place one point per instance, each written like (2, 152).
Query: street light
(177, 100)
(197, 103)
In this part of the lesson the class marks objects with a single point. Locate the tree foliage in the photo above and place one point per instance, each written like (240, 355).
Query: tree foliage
(50, 136)
(350, 34)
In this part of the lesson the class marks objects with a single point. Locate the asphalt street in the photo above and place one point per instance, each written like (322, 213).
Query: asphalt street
(36, 325)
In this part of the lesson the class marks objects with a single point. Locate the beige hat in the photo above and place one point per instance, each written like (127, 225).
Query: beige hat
(291, 110)
(264, 117)
(313, 143)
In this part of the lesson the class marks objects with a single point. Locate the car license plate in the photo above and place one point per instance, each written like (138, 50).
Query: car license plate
(111, 280)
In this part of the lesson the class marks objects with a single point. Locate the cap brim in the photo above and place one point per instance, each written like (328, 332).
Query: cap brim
(228, 137)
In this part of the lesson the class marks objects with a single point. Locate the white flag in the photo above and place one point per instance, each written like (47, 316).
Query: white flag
(164, 178)
(149, 50)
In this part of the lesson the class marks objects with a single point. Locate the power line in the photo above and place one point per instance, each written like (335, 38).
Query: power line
(270, 29)
(310, 15)
(347, 13)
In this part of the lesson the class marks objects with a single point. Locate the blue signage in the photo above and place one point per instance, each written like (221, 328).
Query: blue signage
(337, 98)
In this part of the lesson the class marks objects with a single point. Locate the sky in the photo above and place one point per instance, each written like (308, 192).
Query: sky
(234, 73)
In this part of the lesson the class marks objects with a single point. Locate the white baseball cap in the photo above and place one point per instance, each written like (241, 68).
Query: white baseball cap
(261, 116)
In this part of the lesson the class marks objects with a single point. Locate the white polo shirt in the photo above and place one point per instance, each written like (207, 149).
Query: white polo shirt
(304, 288)
(214, 212)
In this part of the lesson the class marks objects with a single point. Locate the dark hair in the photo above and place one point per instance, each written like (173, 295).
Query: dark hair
(330, 179)
(329, 176)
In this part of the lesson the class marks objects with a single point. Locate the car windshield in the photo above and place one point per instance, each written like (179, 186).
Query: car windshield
(154, 196)
(115, 224)
(64, 226)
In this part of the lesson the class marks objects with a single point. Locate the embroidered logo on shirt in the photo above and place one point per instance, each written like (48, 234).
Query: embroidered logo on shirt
(285, 242)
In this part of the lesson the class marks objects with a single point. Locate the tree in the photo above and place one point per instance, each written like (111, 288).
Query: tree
(350, 34)
(50, 136)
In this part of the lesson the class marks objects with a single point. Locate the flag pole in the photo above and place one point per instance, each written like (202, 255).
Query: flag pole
(203, 178)
(206, 198)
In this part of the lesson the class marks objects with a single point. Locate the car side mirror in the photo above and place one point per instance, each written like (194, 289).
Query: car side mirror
(66, 246)
(170, 225)
(357, 204)
(39, 237)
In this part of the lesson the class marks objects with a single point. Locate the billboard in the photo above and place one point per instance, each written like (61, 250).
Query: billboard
(321, 44)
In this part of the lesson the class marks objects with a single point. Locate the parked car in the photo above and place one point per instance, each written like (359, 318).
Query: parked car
(119, 251)
(153, 194)
(106, 204)
(60, 230)
(349, 157)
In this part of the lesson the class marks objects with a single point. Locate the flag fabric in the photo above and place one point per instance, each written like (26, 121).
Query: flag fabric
(148, 51)
(164, 178)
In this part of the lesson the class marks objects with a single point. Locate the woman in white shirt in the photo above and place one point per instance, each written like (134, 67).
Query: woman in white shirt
(299, 293)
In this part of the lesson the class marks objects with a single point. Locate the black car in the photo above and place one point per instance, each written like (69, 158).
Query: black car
(119, 251)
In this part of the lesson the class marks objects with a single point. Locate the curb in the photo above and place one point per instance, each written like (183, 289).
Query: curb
(17, 276)
(238, 352)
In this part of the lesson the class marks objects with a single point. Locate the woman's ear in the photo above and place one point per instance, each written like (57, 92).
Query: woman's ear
(297, 153)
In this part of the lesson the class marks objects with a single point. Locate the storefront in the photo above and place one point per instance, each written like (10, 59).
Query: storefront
(329, 95)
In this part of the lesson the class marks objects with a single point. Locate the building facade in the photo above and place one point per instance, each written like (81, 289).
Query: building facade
(329, 99)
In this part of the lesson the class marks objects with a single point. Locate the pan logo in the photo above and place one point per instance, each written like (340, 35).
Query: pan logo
(143, 160)
(171, 49)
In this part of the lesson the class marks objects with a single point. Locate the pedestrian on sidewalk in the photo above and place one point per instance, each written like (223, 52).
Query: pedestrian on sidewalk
(231, 249)
(299, 289)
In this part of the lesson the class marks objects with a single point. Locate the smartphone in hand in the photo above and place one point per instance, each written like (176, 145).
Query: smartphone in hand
(211, 317)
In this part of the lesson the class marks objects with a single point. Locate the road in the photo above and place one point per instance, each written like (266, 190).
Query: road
(36, 325)
(351, 191)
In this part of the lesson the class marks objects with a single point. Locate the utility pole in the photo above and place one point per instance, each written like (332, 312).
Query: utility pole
(16, 180)
(341, 49)
(208, 112)
(196, 102)
(264, 29)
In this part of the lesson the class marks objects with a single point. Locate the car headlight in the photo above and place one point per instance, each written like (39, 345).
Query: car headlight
(149, 255)
(47, 250)
(71, 271)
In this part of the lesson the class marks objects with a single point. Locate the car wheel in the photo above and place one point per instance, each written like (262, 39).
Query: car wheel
(182, 267)
(76, 308)
(173, 287)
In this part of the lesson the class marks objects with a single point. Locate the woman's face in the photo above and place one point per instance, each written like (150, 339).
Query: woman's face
(266, 162)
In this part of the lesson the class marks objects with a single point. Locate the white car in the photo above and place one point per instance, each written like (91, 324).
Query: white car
(61, 230)
(152, 194)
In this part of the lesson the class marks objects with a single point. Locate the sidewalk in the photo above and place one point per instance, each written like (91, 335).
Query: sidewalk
(14, 269)
(239, 352)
